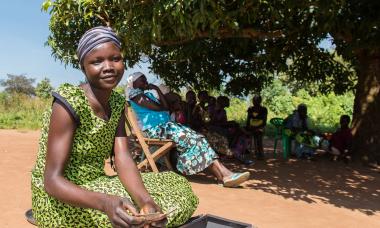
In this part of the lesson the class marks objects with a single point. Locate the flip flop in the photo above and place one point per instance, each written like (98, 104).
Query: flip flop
(236, 179)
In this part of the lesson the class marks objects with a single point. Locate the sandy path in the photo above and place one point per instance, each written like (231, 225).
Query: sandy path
(280, 194)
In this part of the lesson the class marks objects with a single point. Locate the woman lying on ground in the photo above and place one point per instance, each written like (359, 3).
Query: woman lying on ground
(84, 125)
(195, 153)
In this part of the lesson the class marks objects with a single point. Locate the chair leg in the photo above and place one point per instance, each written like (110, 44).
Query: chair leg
(151, 163)
(167, 162)
(285, 146)
(275, 146)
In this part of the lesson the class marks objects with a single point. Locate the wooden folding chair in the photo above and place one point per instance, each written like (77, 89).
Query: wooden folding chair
(162, 147)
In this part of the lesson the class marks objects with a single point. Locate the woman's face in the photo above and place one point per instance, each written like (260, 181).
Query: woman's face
(104, 66)
(190, 98)
(141, 83)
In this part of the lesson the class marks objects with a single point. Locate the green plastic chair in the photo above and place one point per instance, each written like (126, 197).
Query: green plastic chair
(280, 135)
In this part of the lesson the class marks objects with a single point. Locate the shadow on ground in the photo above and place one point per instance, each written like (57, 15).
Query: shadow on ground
(351, 186)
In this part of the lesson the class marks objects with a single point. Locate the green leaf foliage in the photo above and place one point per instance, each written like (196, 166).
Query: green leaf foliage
(44, 89)
(236, 45)
(19, 111)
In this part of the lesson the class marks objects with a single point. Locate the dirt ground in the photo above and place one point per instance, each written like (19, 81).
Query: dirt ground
(279, 194)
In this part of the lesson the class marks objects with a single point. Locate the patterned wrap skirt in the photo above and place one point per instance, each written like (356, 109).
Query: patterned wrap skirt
(195, 153)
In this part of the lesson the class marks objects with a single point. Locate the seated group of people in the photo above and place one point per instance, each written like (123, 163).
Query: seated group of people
(305, 141)
(195, 153)
(207, 116)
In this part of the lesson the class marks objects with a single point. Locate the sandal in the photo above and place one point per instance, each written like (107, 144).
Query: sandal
(236, 179)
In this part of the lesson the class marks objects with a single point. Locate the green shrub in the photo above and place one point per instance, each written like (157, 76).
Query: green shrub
(18, 111)
(324, 110)
(21, 111)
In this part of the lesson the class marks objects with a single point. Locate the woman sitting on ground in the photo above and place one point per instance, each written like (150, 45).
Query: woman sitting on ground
(341, 140)
(195, 153)
(191, 101)
(84, 126)
(200, 116)
(238, 138)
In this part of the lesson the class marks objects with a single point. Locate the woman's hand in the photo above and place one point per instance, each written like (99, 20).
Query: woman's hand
(116, 209)
(152, 207)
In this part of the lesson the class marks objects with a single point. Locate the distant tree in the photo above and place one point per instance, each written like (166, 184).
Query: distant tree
(44, 88)
(277, 98)
(18, 84)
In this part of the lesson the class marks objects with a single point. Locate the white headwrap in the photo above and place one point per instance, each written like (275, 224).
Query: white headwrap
(132, 78)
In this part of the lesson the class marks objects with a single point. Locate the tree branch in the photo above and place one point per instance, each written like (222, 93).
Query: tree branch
(248, 33)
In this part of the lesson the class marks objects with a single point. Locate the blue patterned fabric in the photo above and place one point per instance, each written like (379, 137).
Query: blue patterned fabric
(149, 118)
(195, 153)
(132, 92)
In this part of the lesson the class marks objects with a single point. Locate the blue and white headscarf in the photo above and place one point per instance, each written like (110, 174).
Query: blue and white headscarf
(94, 37)
(131, 91)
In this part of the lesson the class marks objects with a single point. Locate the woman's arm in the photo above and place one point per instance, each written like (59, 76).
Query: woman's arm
(161, 96)
(265, 118)
(247, 125)
(129, 175)
(126, 167)
(148, 103)
(60, 139)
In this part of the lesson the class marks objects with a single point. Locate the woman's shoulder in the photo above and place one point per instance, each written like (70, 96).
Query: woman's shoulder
(263, 109)
(118, 96)
(68, 89)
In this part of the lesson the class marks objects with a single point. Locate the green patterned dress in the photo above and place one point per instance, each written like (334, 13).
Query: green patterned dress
(92, 144)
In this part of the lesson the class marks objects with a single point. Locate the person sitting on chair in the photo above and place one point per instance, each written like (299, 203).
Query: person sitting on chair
(189, 106)
(341, 140)
(238, 138)
(195, 153)
(296, 127)
(256, 122)
(200, 114)
(177, 113)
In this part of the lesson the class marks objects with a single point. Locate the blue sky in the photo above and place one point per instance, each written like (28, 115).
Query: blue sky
(24, 30)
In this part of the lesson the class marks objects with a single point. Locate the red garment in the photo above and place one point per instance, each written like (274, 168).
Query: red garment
(180, 117)
(341, 139)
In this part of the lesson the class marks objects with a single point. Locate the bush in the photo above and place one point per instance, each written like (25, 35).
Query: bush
(324, 110)
(44, 89)
(19, 111)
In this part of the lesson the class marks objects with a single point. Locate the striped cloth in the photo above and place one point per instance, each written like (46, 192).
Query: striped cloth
(94, 37)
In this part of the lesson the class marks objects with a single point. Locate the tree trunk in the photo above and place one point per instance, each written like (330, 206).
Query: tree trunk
(366, 117)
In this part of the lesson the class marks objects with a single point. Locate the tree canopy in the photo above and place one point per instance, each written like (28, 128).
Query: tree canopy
(240, 44)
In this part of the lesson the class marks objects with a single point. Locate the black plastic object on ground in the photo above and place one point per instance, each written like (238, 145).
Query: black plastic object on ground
(212, 221)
